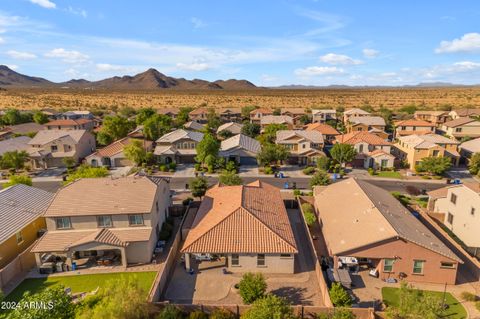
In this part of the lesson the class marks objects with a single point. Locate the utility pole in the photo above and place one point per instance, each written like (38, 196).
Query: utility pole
(444, 296)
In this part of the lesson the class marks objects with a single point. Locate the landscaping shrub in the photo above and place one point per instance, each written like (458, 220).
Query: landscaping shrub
(172, 166)
(252, 287)
(198, 167)
(197, 315)
(338, 313)
(162, 167)
(324, 163)
(468, 296)
(309, 214)
(220, 313)
(477, 305)
(426, 177)
(187, 201)
(297, 192)
(339, 296)
(268, 170)
(309, 170)
(170, 312)
(371, 171)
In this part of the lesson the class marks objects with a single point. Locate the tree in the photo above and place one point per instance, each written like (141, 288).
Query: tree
(220, 313)
(213, 121)
(324, 163)
(143, 114)
(309, 214)
(156, 126)
(199, 186)
(277, 111)
(252, 287)
(474, 164)
(338, 313)
(434, 165)
(409, 109)
(246, 110)
(269, 307)
(170, 312)
(69, 162)
(117, 299)
(270, 132)
(339, 296)
(251, 129)
(85, 171)
(18, 179)
(56, 305)
(135, 152)
(343, 153)
(272, 153)
(305, 119)
(127, 111)
(14, 116)
(114, 128)
(225, 134)
(229, 178)
(40, 118)
(320, 178)
(14, 160)
(182, 116)
(209, 145)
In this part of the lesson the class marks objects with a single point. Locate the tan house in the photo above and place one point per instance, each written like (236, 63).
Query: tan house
(296, 114)
(468, 148)
(328, 132)
(455, 114)
(194, 126)
(462, 127)
(458, 207)
(170, 112)
(413, 126)
(105, 221)
(178, 146)
(354, 113)
(414, 148)
(437, 118)
(241, 149)
(199, 115)
(321, 116)
(50, 147)
(112, 155)
(373, 225)
(305, 147)
(230, 114)
(365, 123)
(372, 150)
(247, 225)
(277, 119)
(232, 127)
(78, 124)
(257, 114)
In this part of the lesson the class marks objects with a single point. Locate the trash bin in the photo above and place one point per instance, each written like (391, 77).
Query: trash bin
(74, 266)
(285, 185)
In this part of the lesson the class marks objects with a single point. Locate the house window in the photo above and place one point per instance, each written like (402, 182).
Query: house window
(388, 264)
(260, 260)
(19, 237)
(360, 148)
(435, 153)
(472, 211)
(66, 147)
(63, 223)
(285, 256)
(104, 221)
(418, 267)
(447, 265)
(458, 130)
(453, 198)
(384, 163)
(54, 148)
(235, 260)
(135, 220)
(450, 218)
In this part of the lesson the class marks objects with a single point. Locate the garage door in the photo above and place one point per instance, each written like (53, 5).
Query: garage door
(187, 159)
(244, 160)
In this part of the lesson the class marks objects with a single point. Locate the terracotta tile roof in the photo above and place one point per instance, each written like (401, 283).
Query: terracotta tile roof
(459, 122)
(200, 110)
(68, 122)
(378, 153)
(356, 137)
(370, 216)
(168, 111)
(313, 136)
(117, 147)
(367, 120)
(295, 111)
(413, 122)
(325, 129)
(262, 110)
(434, 113)
(104, 196)
(241, 219)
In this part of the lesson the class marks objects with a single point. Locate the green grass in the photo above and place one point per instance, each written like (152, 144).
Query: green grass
(389, 174)
(454, 311)
(79, 283)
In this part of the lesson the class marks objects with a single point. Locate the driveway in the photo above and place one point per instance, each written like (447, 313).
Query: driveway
(184, 170)
(292, 171)
(248, 170)
(461, 173)
(119, 171)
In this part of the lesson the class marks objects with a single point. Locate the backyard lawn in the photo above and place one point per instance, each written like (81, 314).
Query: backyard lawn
(80, 283)
(388, 174)
(455, 309)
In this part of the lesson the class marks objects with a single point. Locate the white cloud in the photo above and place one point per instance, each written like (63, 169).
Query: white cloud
(197, 23)
(196, 66)
(332, 58)
(12, 66)
(370, 53)
(78, 12)
(67, 56)
(469, 42)
(106, 67)
(318, 70)
(21, 55)
(2, 40)
(44, 3)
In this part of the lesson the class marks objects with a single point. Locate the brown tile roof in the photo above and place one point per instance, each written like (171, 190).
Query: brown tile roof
(459, 122)
(200, 110)
(356, 137)
(241, 219)
(68, 122)
(473, 186)
(117, 147)
(262, 110)
(379, 152)
(325, 129)
(100, 196)
(439, 193)
(413, 122)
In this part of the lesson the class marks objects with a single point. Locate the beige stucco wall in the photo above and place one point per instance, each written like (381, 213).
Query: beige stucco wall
(273, 264)
(470, 129)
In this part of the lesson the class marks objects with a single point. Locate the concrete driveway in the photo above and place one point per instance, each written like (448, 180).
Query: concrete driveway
(248, 171)
(184, 170)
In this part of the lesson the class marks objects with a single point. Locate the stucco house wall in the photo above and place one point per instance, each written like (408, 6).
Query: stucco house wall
(273, 264)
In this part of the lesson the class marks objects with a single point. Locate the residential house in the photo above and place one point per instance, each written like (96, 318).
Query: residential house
(50, 147)
(296, 114)
(19, 143)
(468, 148)
(178, 146)
(170, 112)
(240, 148)
(373, 225)
(257, 114)
(328, 132)
(354, 113)
(414, 148)
(228, 213)
(458, 208)
(199, 115)
(75, 115)
(29, 129)
(305, 147)
(231, 114)
(372, 150)
(232, 127)
(276, 119)
(462, 127)
(455, 114)
(79, 124)
(52, 114)
(365, 123)
(321, 116)
(105, 220)
(113, 156)
(437, 118)
(21, 209)
(413, 126)
(194, 126)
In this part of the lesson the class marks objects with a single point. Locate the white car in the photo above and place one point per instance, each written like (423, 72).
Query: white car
(348, 261)
(203, 257)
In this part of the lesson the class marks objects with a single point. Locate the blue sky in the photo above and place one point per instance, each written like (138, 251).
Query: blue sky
(270, 43)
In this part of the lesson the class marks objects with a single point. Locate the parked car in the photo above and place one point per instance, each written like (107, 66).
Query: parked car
(203, 257)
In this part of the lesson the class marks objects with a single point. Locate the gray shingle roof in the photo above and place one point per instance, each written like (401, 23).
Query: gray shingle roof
(312, 136)
(19, 205)
(243, 141)
(179, 134)
(368, 120)
(46, 136)
(19, 143)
